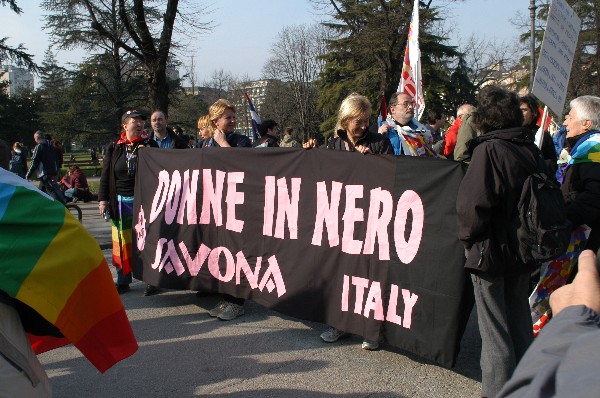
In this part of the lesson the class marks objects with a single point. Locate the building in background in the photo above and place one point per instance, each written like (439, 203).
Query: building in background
(17, 79)
(257, 91)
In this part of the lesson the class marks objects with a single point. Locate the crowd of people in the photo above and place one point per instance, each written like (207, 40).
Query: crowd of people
(491, 137)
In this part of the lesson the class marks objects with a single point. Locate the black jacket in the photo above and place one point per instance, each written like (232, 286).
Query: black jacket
(488, 197)
(581, 190)
(377, 143)
(44, 161)
(107, 190)
(267, 141)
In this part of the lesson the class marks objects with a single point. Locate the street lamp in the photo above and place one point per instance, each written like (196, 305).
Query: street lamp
(532, 8)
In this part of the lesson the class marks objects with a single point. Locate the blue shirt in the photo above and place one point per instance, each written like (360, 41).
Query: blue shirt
(165, 143)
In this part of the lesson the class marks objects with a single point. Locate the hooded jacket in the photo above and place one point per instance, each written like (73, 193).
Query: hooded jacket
(488, 197)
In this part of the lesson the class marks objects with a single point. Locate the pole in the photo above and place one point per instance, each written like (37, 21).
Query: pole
(532, 9)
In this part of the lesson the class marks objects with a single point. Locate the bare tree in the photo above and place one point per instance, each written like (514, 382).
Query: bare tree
(487, 59)
(221, 82)
(191, 74)
(296, 59)
(139, 29)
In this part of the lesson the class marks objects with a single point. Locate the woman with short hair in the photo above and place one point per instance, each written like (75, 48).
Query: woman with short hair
(115, 195)
(579, 175)
(486, 202)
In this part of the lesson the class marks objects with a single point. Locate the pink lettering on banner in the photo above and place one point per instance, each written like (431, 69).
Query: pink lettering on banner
(392, 314)
(407, 250)
(409, 302)
(345, 291)
(170, 262)
(212, 195)
(241, 265)
(173, 196)
(234, 198)
(380, 215)
(352, 215)
(410, 299)
(160, 196)
(213, 264)
(361, 284)
(287, 208)
(194, 264)
(327, 213)
(272, 278)
(374, 302)
(188, 198)
(269, 209)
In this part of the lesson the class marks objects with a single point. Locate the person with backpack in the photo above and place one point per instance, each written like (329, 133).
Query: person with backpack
(18, 160)
(486, 204)
(580, 174)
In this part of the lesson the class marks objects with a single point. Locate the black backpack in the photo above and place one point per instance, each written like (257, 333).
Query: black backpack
(543, 231)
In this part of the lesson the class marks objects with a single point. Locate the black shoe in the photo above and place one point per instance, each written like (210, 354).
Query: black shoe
(151, 290)
(122, 288)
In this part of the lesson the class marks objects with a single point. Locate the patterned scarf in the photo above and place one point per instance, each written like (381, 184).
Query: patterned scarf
(412, 140)
(586, 150)
(131, 147)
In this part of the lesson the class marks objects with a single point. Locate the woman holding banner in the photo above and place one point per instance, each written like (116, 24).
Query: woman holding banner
(352, 135)
(222, 119)
(115, 194)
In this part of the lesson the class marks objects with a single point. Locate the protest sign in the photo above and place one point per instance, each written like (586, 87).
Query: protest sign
(556, 56)
(364, 243)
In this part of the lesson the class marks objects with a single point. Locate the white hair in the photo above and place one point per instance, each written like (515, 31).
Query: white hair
(587, 108)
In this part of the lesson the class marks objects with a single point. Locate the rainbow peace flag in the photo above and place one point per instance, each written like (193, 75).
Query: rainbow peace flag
(50, 263)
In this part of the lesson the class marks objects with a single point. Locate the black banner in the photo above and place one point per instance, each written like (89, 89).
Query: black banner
(364, 243)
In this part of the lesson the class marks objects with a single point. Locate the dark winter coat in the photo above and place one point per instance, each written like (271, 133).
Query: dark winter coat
(488, 196)
(108, 182)
(581, 190)
(377, 143)
(44, 161)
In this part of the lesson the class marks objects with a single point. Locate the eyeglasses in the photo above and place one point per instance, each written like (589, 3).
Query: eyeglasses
(406, 104)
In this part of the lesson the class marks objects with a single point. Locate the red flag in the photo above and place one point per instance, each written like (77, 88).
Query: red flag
(383, 111)
(411, 82)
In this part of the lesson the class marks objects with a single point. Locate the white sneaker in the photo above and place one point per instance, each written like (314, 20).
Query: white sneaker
(231, 311)
(369, 345)
(332, 335)
(218, 308)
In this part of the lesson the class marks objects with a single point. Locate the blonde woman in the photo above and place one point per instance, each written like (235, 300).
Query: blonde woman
(204, 130)
(352, 135)
(222, 123)
(352, 132)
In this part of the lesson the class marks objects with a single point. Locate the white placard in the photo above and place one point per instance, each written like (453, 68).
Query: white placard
(556, 56)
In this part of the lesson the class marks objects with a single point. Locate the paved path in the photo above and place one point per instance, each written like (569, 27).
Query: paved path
(186, 353)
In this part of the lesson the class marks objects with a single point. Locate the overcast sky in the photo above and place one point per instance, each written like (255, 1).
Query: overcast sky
(246, 29)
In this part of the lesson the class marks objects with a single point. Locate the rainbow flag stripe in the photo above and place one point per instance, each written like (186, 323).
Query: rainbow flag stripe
(49, 262)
